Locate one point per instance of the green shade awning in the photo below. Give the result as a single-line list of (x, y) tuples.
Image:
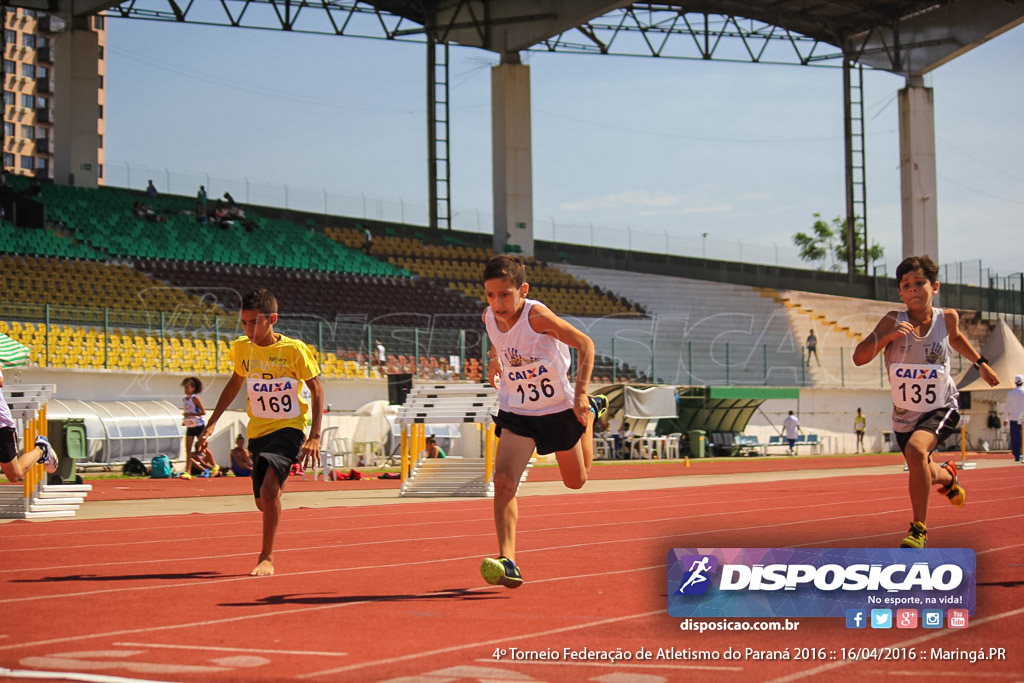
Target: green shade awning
[(763, 393), (713, 409), (12, 353)]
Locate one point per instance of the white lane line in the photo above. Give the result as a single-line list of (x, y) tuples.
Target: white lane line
[(305, 610), (247, 650), (906, 643), (676, 536), (965, 675), (70, 676), (458, 648), (672, 505)]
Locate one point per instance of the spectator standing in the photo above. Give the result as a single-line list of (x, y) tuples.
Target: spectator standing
[(201, 204), (860, 426), (812, 348), (380, 356), (151, 190), (1014, 415), (790, 430), (367, 241)]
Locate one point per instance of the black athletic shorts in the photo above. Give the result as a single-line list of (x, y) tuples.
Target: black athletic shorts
[(8, 444), (280, 450), (550, 433), (194, 431), (941, 423)]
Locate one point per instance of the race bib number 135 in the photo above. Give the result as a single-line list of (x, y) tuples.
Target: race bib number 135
[(918, 387)]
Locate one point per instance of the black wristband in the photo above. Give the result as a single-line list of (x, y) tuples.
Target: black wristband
[(981, 360)]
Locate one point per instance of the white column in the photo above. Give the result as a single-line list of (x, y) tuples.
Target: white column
[(76, 108), (917, 170), (512, 157)]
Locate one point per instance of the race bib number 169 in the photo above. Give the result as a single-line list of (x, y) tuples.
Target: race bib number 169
[(274, 398)]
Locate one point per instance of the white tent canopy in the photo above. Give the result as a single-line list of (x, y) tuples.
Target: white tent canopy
[(1006, 357)]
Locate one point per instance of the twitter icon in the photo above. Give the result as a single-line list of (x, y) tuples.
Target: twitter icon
[(881, 618)]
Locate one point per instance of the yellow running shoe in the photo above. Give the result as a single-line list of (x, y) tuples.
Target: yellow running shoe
[(956, 494), (501, 571), (917, 537), (215, 472)]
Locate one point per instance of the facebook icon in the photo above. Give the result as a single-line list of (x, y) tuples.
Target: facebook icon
[(856, 618)]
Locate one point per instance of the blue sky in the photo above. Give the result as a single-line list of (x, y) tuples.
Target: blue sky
[(625, 150)]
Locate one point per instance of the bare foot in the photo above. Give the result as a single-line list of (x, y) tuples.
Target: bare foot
[(264, 568)]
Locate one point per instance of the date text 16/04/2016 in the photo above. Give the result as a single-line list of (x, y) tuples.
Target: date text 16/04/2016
[(749, 653)]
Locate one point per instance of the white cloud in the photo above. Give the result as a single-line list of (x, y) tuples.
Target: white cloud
[(628, 199), (720, 208), (757, 195)]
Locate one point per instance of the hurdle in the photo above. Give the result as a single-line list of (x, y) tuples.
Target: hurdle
[(34, 498), (964, 463), (447, 404)]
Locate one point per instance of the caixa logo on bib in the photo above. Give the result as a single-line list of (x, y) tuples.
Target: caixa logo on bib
[(816, 582)]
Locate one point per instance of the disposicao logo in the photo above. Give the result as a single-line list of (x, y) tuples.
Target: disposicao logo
[(818, 582), (696, 581)]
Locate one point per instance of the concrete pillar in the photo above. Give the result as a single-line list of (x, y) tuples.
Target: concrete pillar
[(512, 156), (917, 170), (76, 107)]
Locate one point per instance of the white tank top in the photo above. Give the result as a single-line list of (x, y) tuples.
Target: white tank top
[(534, 367), (188, 405), (919, 376)]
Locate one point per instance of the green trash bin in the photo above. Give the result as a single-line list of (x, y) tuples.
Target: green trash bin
[(69, 442), (698, 439)]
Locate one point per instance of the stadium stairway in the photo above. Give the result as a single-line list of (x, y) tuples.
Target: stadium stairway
[(702, 332)]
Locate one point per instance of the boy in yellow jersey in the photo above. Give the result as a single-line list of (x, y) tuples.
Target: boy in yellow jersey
[(539, 408), (917, 344), (272, 368)]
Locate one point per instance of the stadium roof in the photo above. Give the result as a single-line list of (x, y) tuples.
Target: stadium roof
[(910, 37)]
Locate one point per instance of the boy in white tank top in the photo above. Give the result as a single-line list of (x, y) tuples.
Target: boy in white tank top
[(538, 407), (917, 345)]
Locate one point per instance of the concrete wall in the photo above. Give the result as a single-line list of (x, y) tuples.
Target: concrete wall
[(830, 412)]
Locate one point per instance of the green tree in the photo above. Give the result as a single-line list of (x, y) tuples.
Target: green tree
[(828, 241)]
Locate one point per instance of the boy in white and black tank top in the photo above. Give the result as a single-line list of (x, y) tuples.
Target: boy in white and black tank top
[(539, 408), (917, 343)]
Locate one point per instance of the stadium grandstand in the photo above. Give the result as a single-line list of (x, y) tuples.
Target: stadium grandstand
[(106, 284)]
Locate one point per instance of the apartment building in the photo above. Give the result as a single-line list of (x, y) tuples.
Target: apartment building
[(28, 91)]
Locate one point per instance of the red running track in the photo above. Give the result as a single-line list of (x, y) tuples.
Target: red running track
[(390, 593)]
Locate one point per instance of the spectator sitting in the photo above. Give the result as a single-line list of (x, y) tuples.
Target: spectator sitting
[(433, 450), (230, 200), (241, 459)]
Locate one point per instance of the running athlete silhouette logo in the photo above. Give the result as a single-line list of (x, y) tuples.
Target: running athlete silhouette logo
[(697, 581)]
